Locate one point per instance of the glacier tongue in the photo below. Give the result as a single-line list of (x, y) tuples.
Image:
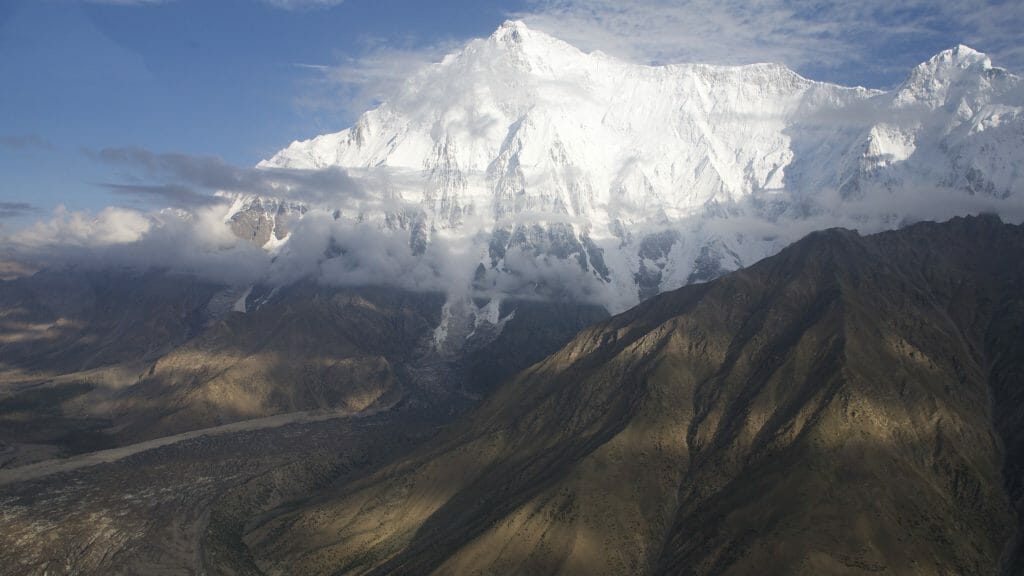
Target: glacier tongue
[(542, 171)]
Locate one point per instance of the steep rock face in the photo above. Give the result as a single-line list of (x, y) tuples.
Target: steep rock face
[(519, 143), (262, 220), (827, 410)]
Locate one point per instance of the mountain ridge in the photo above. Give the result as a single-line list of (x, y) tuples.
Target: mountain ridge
[(645, 178), (827, 410)]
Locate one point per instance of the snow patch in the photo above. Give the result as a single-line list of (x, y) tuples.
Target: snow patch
[(240, 303)]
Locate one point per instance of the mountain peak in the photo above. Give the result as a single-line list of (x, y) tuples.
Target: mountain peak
[(952, 61), (930, 81), (514, 36), (960, 56), (514, 33), (512, 25)]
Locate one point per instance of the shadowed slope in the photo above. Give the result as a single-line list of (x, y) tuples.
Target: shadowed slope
[(825, 411), (55, 323), (92, 360), (310, 348), (177, 355)]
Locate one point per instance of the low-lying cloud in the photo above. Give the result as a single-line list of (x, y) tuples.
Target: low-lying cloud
[(360, 248), (115, 238)]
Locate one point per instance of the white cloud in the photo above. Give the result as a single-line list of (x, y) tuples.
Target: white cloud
[(188, 242), (108, 227)]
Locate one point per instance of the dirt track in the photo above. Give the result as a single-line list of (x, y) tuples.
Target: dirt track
[(48, 467)]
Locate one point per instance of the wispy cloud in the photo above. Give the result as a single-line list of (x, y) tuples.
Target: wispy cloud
[(318, 67), (175, 195), (867, 39), (17, 209), (187, 181), (26, 142), (126, 2), (303, 4), (355, 84), (282, 4)]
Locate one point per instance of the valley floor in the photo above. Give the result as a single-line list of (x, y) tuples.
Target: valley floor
[(170, 505), (57, 465)]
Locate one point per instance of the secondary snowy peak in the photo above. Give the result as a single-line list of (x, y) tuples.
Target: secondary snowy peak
[(949, 73), (951, 62), (954, 124), (540, 165)]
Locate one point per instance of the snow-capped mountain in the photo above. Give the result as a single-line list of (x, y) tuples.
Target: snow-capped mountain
[(539, 168)]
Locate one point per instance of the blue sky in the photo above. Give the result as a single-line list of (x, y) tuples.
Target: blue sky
[(240, 79)]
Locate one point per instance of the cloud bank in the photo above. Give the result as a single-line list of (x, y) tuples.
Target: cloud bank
[(351, 234), (342, 240)]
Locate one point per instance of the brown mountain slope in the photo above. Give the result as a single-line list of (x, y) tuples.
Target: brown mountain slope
[(315, 347), (846, 407), (54, 323), (309, 348), (70, 342), (90, 360)]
